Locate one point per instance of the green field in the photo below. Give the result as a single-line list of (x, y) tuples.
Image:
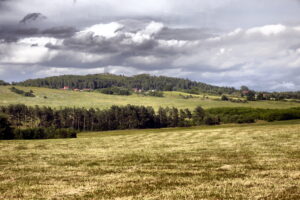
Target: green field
[(260, 161), (59, 98)]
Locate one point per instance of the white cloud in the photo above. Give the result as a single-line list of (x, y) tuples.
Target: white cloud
[(268, 30), (28, 50), (152, 28), (105, 30)]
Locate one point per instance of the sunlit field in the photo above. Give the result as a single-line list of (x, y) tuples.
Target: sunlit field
[(259, 161), (60, 98)]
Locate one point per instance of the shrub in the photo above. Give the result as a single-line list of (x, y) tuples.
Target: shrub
[(224, 98), (210, 120), (155, 93), (116, 91)]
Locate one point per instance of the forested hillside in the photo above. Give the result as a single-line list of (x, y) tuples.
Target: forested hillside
[(143, 81)]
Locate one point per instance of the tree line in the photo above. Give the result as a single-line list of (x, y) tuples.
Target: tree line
[(143, 81), (114, 118), (29, 121)]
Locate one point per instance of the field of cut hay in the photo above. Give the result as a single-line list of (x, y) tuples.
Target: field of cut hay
[(260, 161)]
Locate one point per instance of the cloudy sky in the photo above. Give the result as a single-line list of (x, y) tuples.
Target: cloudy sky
[(221, 42)]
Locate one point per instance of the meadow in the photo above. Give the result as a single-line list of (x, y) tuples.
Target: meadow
[(60, 98), (258, 161)]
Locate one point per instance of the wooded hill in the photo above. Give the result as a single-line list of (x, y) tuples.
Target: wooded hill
[(143, 81)]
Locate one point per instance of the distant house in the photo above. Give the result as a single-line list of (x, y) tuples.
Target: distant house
[(137, 90), (66, 88), (245, 92)]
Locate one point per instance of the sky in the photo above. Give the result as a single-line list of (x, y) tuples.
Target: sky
[(221, 42)]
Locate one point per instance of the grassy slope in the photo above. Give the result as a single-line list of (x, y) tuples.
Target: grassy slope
[(59, 98), (260, 161)]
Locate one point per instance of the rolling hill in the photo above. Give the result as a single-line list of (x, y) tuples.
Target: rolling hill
[(60, 98)]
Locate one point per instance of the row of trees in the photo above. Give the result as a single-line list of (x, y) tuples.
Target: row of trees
[(116, 117), (60, 123), (22, 92)]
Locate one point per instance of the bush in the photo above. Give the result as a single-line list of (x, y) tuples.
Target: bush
[(224, 98), (155, 94), (116, 91), (209, 120)]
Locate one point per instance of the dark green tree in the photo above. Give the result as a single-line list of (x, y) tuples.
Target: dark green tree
[(250, 96), (198, 115), (6, 131)]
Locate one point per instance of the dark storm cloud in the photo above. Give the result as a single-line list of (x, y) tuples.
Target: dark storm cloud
[(59, 32), (31, 17), (16, 32)]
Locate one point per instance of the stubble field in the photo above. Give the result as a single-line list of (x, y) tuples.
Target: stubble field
[(260, 161)]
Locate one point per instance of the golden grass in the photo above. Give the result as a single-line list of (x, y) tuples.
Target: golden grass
[(60, 98), (260, 161)]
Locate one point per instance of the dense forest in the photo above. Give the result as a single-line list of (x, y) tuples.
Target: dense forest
[(143, 81)]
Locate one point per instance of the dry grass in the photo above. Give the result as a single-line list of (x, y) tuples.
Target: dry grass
[(227, 162)]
